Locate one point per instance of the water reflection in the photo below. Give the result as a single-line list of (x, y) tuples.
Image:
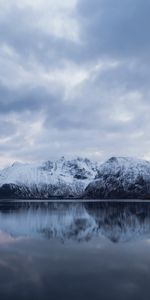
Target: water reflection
[(74, 251), (118, 222)]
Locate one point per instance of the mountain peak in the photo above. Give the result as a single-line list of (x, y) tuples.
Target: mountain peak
[(59, 178), (16, 163)]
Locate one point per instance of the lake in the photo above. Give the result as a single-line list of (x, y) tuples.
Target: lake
[(62, 250)]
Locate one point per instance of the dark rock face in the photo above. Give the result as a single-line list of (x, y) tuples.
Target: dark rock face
[(116, 190), (121, 178), (12, 191)]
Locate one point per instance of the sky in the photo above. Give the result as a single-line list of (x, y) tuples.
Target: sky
[(74, 79)]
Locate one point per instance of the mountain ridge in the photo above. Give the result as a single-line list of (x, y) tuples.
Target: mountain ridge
[(59, 178), (121, 178), (117, 178)]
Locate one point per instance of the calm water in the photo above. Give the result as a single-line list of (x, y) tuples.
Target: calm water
[(74, 251)]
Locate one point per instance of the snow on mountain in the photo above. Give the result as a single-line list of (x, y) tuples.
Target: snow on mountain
[(121, 177), (60, 178), (117, 178)]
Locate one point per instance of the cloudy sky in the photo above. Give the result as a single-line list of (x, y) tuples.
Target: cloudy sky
[(74, 79)]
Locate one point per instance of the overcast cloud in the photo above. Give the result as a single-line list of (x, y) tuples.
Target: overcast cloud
[(74, 79)]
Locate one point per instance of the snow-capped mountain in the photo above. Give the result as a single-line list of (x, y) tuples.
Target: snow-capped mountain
[(121, 177), (117, 178), (60, 178)]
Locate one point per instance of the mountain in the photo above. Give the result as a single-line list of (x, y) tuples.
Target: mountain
[(117, 178), (61, 178), (121, 177)]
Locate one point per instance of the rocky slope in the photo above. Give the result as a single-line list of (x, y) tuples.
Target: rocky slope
[(121, 177), (61, 178)]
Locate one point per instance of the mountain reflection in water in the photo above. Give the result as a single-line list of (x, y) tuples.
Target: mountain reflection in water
[(77, 251), (118, 222)]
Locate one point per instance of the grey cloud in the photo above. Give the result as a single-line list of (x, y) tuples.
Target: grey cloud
[(6, 129), (116, 28), (106, 113), (16, 31), (25, 99)]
